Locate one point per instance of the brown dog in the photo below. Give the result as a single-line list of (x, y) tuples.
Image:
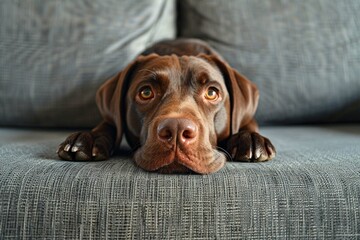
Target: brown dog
[(177, 104)]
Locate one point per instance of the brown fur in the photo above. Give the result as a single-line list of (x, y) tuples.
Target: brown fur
[(179, 73)]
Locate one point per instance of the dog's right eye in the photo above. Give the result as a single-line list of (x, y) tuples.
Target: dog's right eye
[(146, 93)]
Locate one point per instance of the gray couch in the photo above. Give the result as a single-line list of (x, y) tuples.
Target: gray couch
[(303, 55)]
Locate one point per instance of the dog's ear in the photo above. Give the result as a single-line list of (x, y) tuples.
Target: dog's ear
[(111, 95), (244, 95)]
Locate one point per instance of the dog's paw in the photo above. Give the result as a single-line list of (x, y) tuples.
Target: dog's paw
[(248, 146), (84, 146)]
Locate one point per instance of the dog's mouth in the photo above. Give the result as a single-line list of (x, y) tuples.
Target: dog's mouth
[(179, 161), (174, 167)]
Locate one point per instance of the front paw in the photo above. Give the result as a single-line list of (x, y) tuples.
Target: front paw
[(248, 146), (84, 146)]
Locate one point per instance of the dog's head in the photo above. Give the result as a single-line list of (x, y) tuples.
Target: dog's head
[(175, 109)]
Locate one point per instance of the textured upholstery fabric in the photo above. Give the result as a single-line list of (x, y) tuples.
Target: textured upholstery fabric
[(55, 54), (303, 55), (310, 191)]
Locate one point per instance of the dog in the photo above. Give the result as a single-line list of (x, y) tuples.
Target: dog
[(182, 109)]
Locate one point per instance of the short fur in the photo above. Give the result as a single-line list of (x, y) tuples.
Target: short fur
[(178, 129)]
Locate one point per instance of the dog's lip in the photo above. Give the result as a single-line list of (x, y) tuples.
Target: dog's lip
[(174, 167), (177, 157), (215, 165)]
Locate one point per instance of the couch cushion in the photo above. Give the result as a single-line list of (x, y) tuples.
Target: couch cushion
[(310, 190), (303, 55), (55, 54)]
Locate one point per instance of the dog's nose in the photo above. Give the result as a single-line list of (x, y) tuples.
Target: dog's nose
[(182, 130)]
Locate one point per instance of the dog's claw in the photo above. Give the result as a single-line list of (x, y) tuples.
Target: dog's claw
[(67, 147), (257, 153), (74, 149)]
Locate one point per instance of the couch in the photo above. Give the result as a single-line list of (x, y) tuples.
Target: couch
[(304, 57)]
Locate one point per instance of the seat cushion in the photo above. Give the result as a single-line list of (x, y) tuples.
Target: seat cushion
[(55, 55), (310, 190)]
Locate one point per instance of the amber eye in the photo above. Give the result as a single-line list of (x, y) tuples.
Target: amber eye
[(146, 93), (212, 94)]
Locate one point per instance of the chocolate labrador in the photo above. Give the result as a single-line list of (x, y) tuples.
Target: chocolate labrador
[(182, 109)]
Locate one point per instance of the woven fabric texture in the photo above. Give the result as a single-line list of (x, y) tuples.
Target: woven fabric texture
[(55, 54), (303, 55), (310, 191)]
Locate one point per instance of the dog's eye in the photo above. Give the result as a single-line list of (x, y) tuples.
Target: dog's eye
[(146, 93), (212, 94)]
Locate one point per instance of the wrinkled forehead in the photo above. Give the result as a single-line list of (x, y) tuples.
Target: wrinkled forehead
[(202, 71), (184, 70)]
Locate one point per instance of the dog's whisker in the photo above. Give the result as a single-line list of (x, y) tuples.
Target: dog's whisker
[(227, 154)]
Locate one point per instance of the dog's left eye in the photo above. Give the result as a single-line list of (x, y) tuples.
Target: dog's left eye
[(212, 94), (146, 93)]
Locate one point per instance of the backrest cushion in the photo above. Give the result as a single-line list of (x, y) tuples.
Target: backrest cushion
[(55, 54), (303, 55)]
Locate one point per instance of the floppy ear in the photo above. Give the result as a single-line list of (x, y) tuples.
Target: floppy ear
[(111, 96), (244, 95)]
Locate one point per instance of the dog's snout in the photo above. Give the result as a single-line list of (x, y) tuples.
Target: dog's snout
[(181, 130)]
